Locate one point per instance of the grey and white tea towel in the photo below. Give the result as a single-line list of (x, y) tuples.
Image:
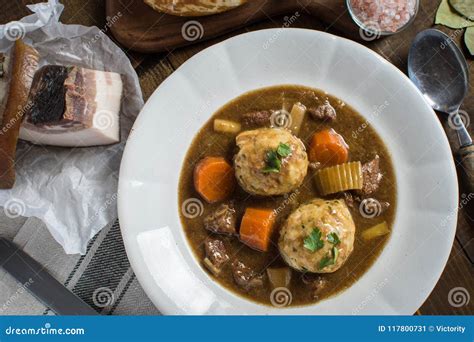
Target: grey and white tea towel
[(102, 277)]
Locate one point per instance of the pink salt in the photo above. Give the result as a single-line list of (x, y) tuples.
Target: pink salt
[(383, 15)]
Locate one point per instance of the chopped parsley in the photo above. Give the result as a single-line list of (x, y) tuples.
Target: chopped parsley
[(273, 163), (333, 238), (273, 158), (313, 242), (329, 259), (326, 261), (283, 150)]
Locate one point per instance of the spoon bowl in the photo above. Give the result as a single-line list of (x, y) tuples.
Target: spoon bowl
[(439, 70)]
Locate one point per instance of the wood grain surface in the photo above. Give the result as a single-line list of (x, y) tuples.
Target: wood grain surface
[(154, 68), (466, 159), (156, 32)]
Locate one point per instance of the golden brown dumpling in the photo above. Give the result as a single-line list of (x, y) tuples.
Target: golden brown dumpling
[(251, 161), (326, 222)]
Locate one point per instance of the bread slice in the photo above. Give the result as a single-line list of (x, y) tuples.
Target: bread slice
[(193, 8)]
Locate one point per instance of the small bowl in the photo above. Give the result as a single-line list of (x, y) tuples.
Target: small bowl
[(370, 33)]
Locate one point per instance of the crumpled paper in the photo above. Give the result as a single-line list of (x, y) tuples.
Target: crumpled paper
[(73, 190)]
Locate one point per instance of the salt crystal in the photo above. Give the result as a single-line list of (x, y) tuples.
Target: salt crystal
[(385, 15)]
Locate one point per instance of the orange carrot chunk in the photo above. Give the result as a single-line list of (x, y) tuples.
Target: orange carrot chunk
[(214, 179), (256, 228), (328, 148)]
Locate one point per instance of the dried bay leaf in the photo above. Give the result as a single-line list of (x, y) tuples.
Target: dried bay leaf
[(469, 40), (464, 7), (448, 17)]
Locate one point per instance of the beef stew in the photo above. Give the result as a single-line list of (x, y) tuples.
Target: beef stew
[(310, 204)]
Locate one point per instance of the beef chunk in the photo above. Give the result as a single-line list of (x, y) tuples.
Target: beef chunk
[(258, 118), (349, 199), (352, 201), (245, 277), (216, 251), (323, 112), (372, 176), (315, 283), (216, 255), (318, 285), (222, 220)]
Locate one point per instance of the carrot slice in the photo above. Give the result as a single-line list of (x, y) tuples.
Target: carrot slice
[(256, 228), (328, 148), (214, 179)]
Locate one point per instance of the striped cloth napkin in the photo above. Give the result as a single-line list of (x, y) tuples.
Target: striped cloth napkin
[(102, 277)]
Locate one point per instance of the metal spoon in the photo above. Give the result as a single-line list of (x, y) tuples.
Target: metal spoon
[(439, 70)]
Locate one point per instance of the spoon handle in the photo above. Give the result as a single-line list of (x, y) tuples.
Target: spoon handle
[(466, 150), (457, 121), (463, 136), (466, 157)]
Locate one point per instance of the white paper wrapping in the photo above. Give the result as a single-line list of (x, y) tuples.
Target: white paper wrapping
[(73, 190)]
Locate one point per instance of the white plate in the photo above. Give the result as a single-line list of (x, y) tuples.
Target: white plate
[(411, 263)]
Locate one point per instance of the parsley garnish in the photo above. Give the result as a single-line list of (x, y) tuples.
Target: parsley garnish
[(326, 261), (273, 162), (273, 158), (334, 239), (283, 150), (313, 242), (329, 260)]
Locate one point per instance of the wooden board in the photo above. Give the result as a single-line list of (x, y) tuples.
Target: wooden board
[(140, 28)]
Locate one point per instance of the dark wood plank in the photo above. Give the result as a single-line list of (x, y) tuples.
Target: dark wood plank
[(12, 10), (457, 277), (152, 71)]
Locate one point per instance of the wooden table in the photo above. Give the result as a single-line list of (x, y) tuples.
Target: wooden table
[(154, 68)]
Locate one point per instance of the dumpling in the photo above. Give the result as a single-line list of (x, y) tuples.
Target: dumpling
[(252, 160), (318, 237)]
